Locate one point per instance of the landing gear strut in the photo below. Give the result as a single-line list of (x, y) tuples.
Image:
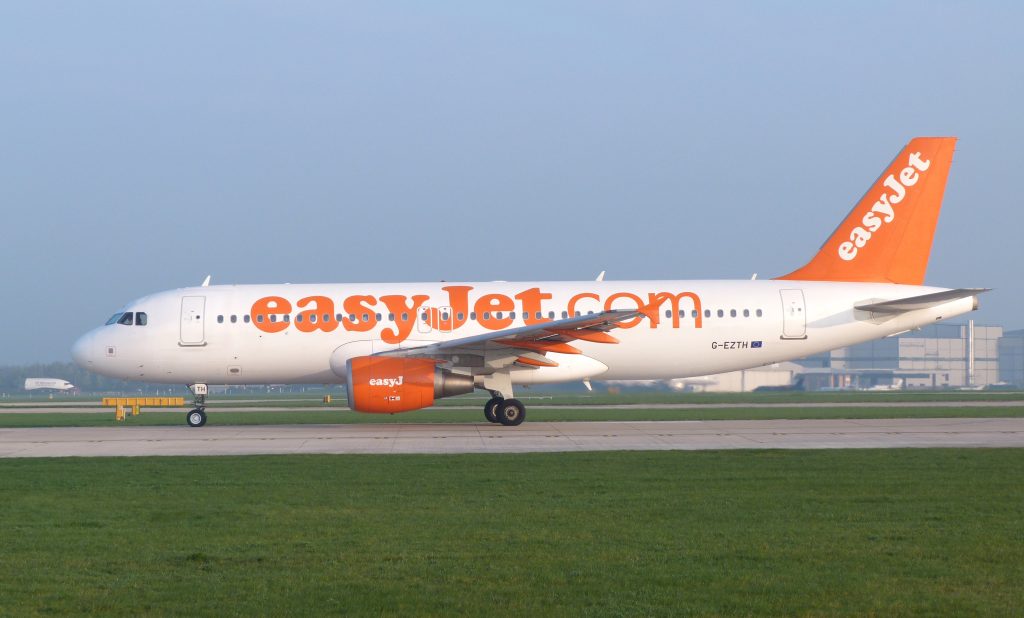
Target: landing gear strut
[(197, 417)]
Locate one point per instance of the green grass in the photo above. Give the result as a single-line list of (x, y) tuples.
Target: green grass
[(442, 415), (890, 532), (298, 400)]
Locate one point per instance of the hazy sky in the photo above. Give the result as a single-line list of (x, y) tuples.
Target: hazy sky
[(144, 145)]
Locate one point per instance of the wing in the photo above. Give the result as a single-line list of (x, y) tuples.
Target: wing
[(526, 346)]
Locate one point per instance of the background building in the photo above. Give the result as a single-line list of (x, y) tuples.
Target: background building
[(1011, 358), (936, 356)]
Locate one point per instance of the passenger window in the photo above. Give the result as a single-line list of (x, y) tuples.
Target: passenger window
[(245, 318), (512, 315), (220, 319), (721, 313), (460, 316), (141, 319), (693, 314), (298, 318), (732, 313), (405, 316), (378, 316), (391, 317), (351, 317), (551, 315), (758, 313), (234, 318), (444, 316), (487, 315), (339, 317), (327, 317), (287, 317), (707, 313), (499, 314), (366, 317), (668, 313), (273, 317), (565, 315), (259, 318), (746, 313), (126, 319)]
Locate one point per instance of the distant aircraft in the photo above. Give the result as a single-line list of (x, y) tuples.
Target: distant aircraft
[(32, 384), (401, 346), (676, 384)]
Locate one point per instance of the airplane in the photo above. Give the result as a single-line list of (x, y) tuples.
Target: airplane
[(401, 346), (32, 384)]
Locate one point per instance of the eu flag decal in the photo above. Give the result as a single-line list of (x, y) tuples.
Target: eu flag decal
[(755, 344)]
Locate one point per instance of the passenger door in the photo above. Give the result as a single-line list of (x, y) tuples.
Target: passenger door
[(794, 315), (193, 331)]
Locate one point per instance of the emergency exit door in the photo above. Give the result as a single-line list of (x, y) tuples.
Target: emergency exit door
[(192, 320), (794, 314)]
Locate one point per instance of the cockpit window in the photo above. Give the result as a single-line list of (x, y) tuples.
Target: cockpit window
[(127, 319), (114, 318), (141, 319)]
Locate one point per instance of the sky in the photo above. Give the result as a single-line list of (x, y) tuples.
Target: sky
[(145, 145)]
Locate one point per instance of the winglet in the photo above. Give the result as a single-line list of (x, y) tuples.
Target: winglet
[(887, 237)]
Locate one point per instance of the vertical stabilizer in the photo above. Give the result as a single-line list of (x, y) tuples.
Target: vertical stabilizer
[(887, 237)]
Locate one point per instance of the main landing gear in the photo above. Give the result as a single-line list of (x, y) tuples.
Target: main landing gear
[(197, 416), (508, 412)]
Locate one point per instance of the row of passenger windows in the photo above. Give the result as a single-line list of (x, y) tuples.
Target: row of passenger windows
[(130, 318), (445, 316)]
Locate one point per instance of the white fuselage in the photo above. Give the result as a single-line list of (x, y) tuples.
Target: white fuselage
[(220, 334)]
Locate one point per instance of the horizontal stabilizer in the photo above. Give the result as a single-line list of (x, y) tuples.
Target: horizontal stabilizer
[(913, 303)]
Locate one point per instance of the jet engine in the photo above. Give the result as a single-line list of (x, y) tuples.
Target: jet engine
[(387, 385)]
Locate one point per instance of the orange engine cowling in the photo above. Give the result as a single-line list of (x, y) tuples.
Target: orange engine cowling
[(386, 385)]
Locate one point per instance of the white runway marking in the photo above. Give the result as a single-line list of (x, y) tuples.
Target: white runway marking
[(527, 438)]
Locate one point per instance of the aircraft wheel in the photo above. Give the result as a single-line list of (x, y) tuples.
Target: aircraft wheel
[(491, 409), (196, 418), (511, 412)]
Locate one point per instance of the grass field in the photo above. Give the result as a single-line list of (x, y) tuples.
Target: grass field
[(594, 398), (306, 416), (760, 532), (306, 409)]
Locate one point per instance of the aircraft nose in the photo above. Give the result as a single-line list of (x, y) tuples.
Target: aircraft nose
[(82, 352)]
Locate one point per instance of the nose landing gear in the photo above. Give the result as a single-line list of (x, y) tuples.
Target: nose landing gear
[(197, 416)]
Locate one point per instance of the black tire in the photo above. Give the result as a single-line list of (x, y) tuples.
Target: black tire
[(196, 418), (511, 412), (491, 409)]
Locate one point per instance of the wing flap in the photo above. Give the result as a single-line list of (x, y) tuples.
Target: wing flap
[(532, 341)]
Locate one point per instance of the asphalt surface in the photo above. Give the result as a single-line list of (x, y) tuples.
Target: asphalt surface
[(529, 437)]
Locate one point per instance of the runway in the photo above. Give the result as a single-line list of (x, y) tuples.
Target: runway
[(535, 437)]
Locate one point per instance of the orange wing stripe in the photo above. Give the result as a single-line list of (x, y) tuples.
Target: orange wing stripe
[(536, 362), (585, 334), (540, 346)]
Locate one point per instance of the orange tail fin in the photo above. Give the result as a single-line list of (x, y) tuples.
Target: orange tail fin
[(887, 237)]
